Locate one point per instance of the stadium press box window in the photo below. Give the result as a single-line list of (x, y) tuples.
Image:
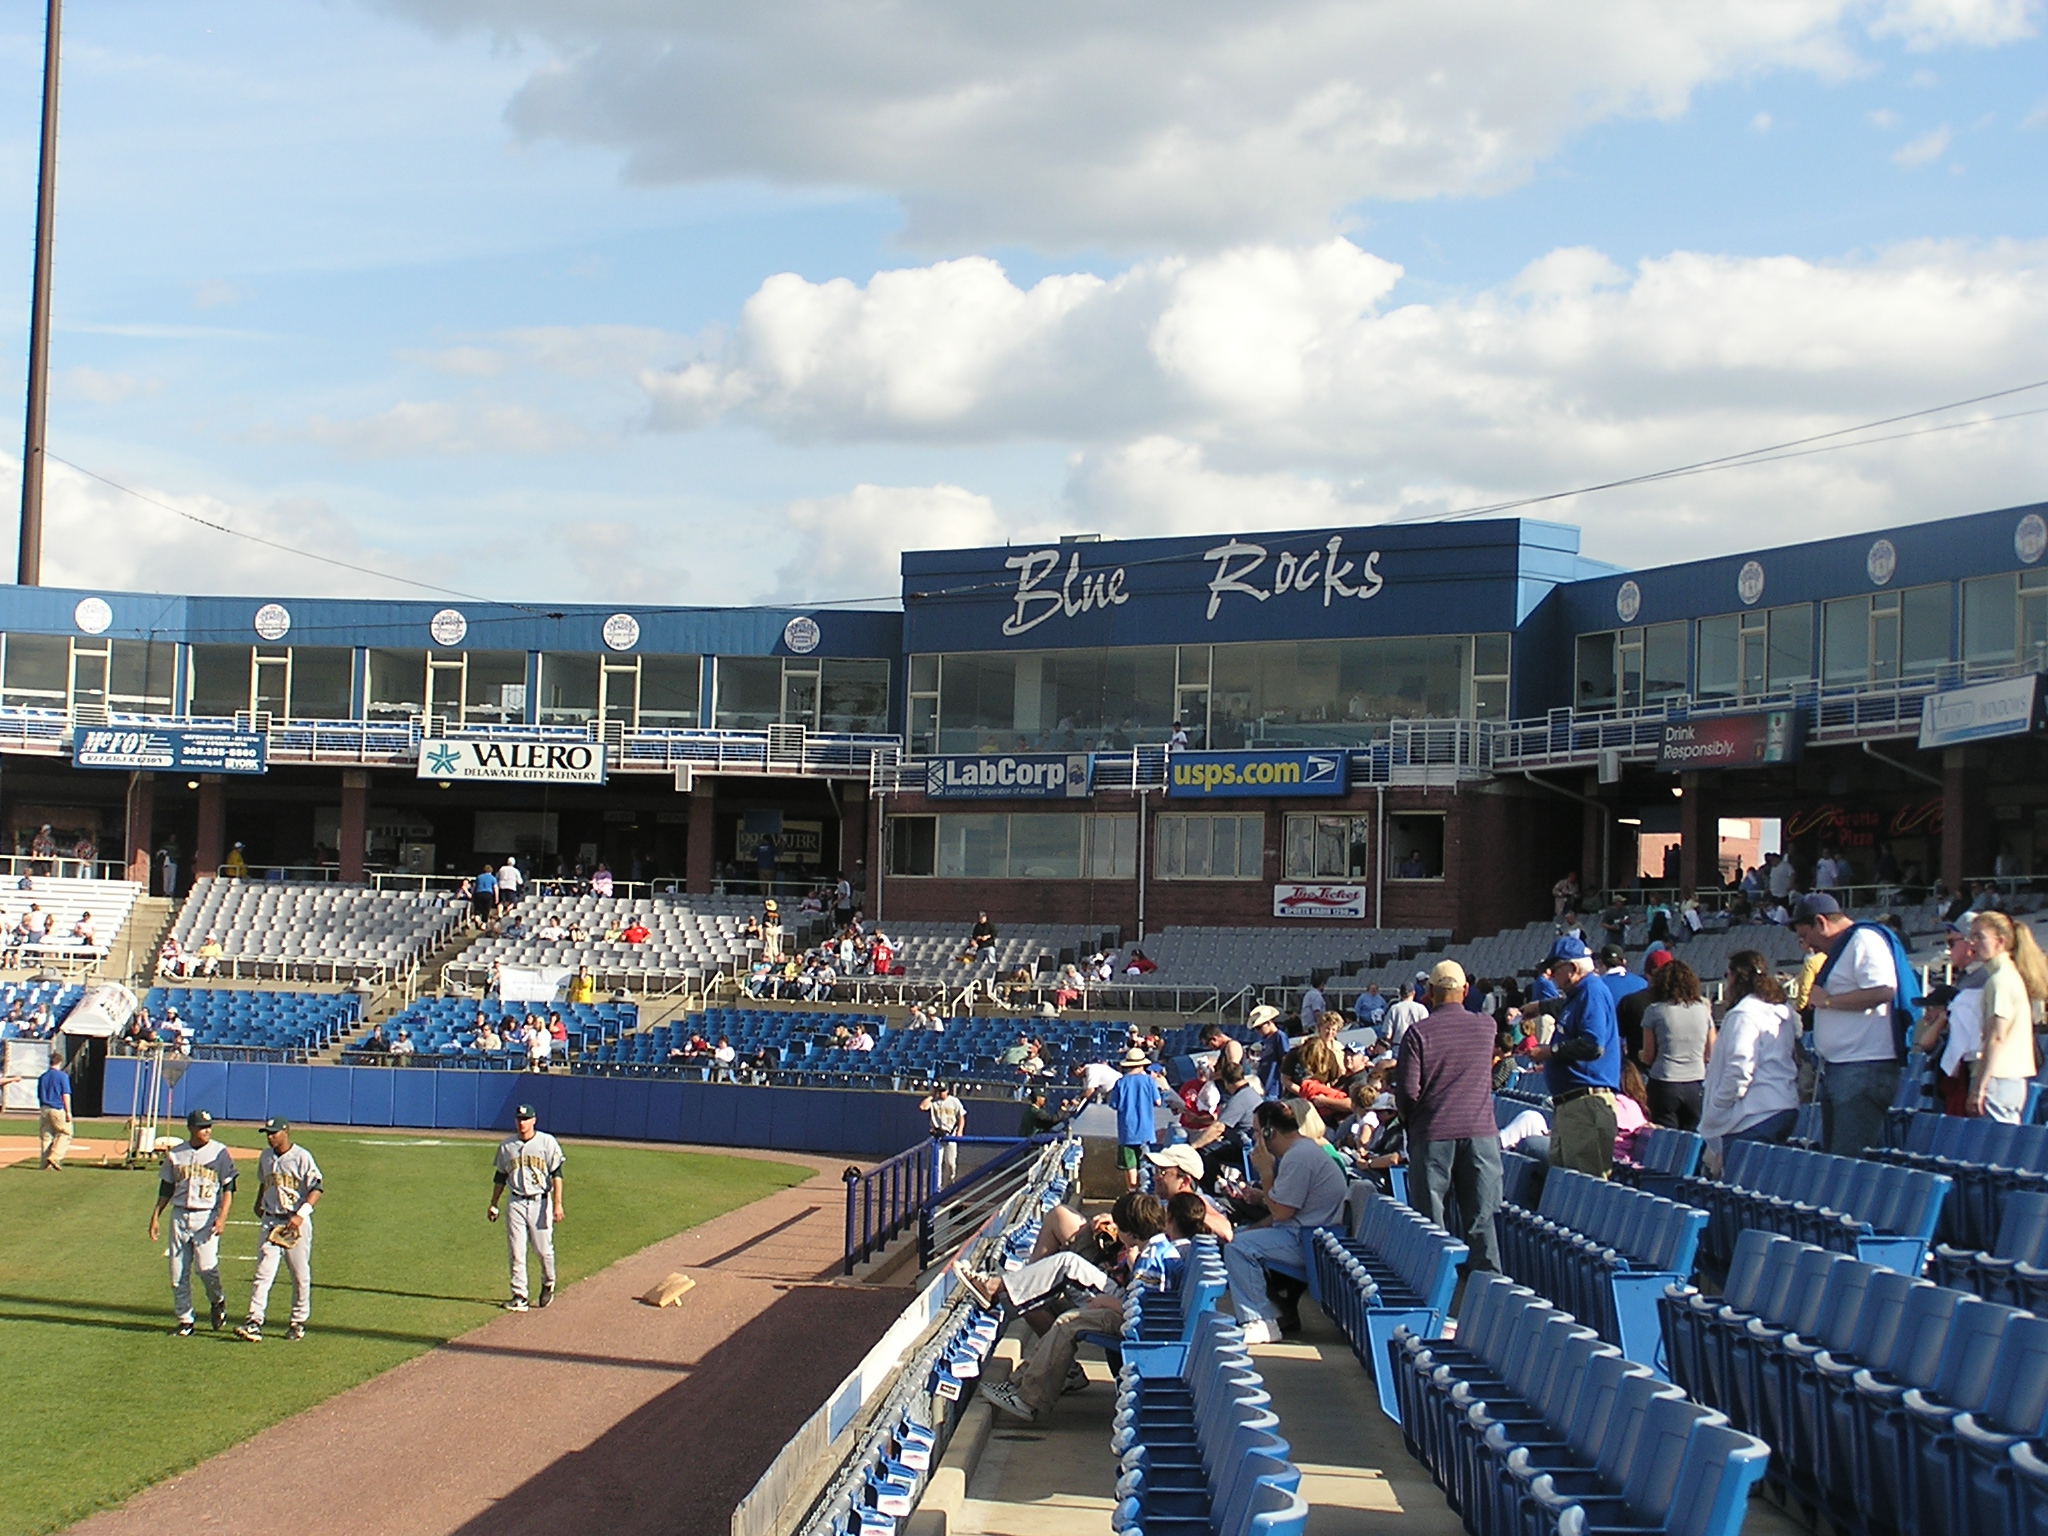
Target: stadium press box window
[(1415, 845), (1746, 655), (133, 676), (1327, 848), (288, 682), (1627, 668), (1041, 846), (1886, 636), (2005, 620), (1197, 847)]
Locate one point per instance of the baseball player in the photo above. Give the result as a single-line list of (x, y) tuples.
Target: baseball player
[(289, 1188), (529, 1166), (199, 1181)]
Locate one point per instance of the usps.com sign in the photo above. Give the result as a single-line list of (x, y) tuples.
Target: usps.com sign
[(1345, 903), (1008, 776), (1197, 774)]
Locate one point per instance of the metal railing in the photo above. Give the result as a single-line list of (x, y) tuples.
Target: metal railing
[(884, 1201), (890, 1197), (952, 1215)]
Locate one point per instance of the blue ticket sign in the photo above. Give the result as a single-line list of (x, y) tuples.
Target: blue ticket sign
[(1192, 775), (174, 749)]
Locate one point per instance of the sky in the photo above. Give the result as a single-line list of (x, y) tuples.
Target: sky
[(638, 301)]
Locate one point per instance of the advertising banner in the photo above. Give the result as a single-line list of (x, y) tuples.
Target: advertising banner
[(1008, 776), (1732, 741), (534, 983), (1351, 903), (2010, 707), (178, 749), (516, 762), (1194, 775)]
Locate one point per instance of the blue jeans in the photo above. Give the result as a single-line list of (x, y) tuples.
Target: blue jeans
[(1249, 1255), (1771, 1128), (1468, 1167), (1854, 1097)]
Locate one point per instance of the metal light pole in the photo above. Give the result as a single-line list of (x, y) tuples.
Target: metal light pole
[(30, 571)]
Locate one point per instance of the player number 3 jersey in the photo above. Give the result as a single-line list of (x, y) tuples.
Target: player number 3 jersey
[(286, 1181), (530, 1166), (195, 1176)]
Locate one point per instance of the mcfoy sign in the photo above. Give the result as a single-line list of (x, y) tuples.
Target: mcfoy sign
[(519, 762), (178, 750), (1192, 775), (1007, 776)]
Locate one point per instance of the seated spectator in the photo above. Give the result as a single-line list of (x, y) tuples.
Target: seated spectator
[(539, 1047), (699, 1046), (22, 934), (578, 934), (512, 929), (862, 1040), (635, 932), (487, 1038), (403, 1045), (551, 931), (1069, 988), (85, 932), (557, 1030), (1138, 964), (375, 1040), (206, 959), (601, 881), (759, 979), (722, 1060)]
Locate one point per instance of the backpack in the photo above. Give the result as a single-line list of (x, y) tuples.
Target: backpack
[(1906, 1001)]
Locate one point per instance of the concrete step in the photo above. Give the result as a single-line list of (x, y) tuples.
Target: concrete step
[(132, 956)]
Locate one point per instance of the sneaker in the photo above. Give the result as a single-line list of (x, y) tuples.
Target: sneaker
[(547, 1294), (220, 1316), (182, 1331), (516, 1304), (1004, 1395), (295, 1332), (1077, 1380), (981, 1287), (1261, 1331), (250, 1333)]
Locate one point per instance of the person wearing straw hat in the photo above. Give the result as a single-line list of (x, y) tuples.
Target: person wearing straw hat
[(1272, 1046), (1136, 1101)]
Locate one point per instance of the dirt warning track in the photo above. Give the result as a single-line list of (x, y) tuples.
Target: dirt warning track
[(596, 1415)]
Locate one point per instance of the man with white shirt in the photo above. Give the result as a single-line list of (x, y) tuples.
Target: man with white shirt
[(1313, 1007), (1408, 1011), (509, 881), (1097, 1078), (1853, 1030)]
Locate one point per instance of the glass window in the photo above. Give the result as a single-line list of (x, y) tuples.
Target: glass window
[(38, 671), (974, 847), (1332, 692), (1490, 655), (494, 688), (1326, 847), (1720, 657), (219, 681), (1989, 634), (568, 688), (2033, 623), (1112, 847), (913, 845), (139, 675), (1845, 640), (1791, 642), (398, 685), (1056, 700), (670, 692), (322, 682), (749, 693), (1924, 630), (853, 696), (1227, 847), (1415, 846), (1596, 678), (924, 674), (1046, 847), (1664, 670)]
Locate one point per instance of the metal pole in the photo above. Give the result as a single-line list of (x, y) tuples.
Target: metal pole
[(30, 570)]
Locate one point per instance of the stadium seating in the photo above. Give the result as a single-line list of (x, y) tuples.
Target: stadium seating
[(59, 997), (1529, 1422), (254, 1020), (1603, 1251), (1987, 1159), (2014, 1269), (689, 937), (270, 929), (1891, 1404), (1393, 1269), (1159, 1325), (441, 1028), (1882, 1214), (65, 900)]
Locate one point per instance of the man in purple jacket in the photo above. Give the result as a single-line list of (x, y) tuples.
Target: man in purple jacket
[(1443, 1084)]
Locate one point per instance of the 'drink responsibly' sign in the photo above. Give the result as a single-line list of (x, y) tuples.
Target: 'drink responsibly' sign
[(1350, 903), (513, 762), (2009, 707), (180, 750), (1192, 775), (1008, 776), (1732, 741)]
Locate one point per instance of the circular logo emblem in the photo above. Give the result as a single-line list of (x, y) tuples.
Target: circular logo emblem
[(800, 634), (621, 632), (448, 627), (1749, 586), (1881, 562), (92, 616), (2030, 539), (1628, 602), (273, 621)]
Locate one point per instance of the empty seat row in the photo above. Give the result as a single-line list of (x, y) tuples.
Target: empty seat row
[(2014, 1269), (1881, 1213), (1604, 1252), (1159, 1324), (1986, 1158), (1531, 1423), (1393, 1269), (1662, 1157), (1892, 1405)]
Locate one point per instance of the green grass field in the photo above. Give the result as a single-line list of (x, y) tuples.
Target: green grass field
[(102, 1402)]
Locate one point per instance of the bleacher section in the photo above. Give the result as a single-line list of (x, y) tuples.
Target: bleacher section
[(1393, 1269), (1882, 1214), (441, 1028), (1988, 1161), (2014, 1269), (690, 937), (263, 1023), (269, 929), (1229, 958), (65, 900), (932, 951), (58, 996)]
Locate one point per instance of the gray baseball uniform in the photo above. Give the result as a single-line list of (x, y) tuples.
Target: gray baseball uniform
[(530, 1169), (286, 1182), (194, 1178)]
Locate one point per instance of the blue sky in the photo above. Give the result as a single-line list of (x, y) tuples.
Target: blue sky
[(481, 294)]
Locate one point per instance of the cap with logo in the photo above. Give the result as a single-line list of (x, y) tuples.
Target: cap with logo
[(525, 1112), (197, 1117), (274, 1124)]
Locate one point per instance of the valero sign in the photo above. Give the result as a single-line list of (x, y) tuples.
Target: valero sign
[(1193, 775), (513, 762)]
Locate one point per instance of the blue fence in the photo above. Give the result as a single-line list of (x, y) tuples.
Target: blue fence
[(859, 1122)]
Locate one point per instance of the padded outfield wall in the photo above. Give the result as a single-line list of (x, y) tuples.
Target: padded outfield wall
[(858, 1122)]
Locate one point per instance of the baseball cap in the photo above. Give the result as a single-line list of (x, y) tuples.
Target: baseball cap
[(1940, 997), (1655, 961), (1820, 904), (1567, 947), (1447, 974), (1180, 1156), (1612, 954), (275, 1124), (1956, 930), (1422, 978), (525, 1112), (198, 1117)]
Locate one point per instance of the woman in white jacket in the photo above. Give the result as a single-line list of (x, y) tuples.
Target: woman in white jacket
[(1752, 1090)]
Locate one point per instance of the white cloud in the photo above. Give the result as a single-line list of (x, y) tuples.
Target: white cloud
[(102, 387), (1926, 149), (414, 428), (218, 294), (1193, 125), (848, 546), (2038, 118), (1883, 117), (1761, 123)]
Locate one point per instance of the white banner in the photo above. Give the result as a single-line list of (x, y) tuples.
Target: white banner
[(2006, 708), (1349, 903), (518, 762), (27, 1060), (533, 983)]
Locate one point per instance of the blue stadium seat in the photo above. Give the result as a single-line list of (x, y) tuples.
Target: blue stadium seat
[(1396, 1269)]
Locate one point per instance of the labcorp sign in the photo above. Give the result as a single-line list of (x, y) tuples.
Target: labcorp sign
[(516, 762), (1007, 776)]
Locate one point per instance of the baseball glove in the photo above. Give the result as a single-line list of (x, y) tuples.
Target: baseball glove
[(282, 1236)]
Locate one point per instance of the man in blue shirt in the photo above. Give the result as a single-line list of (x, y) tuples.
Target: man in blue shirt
[(1615, 975), (1581, 1063), (53, 1099), (1136, 1101)]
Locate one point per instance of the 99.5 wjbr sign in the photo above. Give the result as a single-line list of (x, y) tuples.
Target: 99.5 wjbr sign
[(1193, 775), (1008, 776), (513, 762)]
